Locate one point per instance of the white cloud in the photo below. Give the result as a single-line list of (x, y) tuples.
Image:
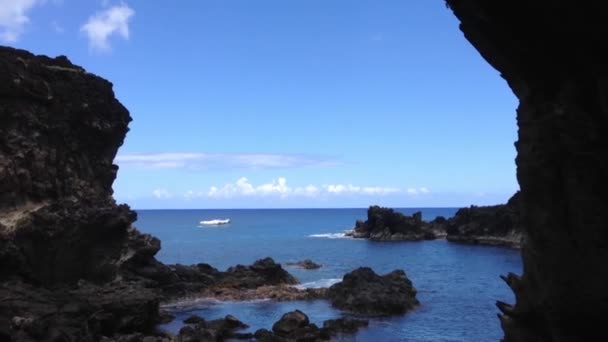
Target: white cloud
[(309, 191), (243, 187), (338, 189), (279, 187), (177, 160), (161, 193), (418, 191), (14, 18), (112, 21)]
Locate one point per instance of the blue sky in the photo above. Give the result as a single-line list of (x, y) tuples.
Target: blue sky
[(300, 103)]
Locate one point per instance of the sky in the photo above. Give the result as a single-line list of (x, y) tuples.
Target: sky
[(288, 103)]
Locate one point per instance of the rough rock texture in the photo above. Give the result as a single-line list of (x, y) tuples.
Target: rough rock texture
[(363, 291), (211, 331), (553, 56), (295, 326), (385, 224), (63, 239), (488, 225), (73, 267)]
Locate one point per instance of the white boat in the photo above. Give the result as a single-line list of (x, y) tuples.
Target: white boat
[(215, 222)]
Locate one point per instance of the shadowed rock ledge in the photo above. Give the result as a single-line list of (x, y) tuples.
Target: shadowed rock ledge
[(553, 56)]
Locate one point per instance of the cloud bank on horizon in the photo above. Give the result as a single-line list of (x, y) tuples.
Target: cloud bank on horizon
[(278, 188)]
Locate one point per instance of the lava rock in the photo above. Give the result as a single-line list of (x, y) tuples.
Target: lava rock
[(363, 291)]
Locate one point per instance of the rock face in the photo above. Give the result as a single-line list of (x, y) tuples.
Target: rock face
[(553, 56), (73, 267), (362, 291), (490, 225), (385, 224), (60, 128)]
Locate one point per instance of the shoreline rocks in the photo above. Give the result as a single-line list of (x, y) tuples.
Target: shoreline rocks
[(295, 326), (497, 225), (362, 291)]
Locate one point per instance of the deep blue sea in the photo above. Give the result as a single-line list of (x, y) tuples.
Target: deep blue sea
[(457, 284)]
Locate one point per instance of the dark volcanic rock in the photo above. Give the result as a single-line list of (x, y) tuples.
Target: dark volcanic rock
[(363, 291), (295, 326), (290, 322), (344, 325), (60, 229), (262, 272), (215, 330), (73, 266), (553, 56), (385, 224), (489, 225), (306, 264)]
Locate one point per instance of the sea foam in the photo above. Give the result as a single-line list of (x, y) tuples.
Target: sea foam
[(318, 283)]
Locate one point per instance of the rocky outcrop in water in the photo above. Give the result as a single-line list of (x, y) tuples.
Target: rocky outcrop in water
[(552, 55), (362, 291), (497, 225), (385, 224)]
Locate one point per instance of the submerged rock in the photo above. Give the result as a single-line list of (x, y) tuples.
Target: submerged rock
[(363, 291), (306, 264)]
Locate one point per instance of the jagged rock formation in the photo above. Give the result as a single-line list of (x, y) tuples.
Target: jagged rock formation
[(73, 267), (386, 224), (553, 56), (362, 291), (488, 225), (497, 225)]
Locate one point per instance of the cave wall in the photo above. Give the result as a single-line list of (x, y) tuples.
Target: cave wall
[(553, 56)]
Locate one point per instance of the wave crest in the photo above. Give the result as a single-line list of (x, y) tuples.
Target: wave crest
[(321, 283)]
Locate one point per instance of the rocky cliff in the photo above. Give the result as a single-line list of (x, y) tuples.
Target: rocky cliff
[(553, 56), (73, 266)]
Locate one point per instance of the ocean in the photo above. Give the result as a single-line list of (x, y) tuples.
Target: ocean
[(457, 284)]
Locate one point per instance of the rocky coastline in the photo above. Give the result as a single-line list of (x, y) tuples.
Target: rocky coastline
[(497, 225), (74, 268)]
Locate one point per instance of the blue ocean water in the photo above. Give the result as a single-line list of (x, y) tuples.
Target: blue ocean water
[(457, 284)]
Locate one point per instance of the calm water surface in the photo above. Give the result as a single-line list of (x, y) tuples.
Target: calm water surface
[(457, 284)]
